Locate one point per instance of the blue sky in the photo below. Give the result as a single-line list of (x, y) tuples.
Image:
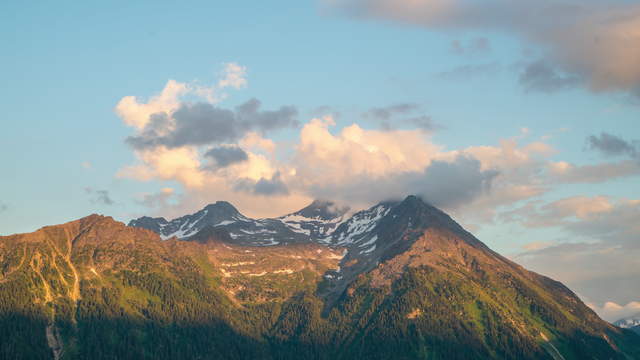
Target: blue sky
[(66, 66)]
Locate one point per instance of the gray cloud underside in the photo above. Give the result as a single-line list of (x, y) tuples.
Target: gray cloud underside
[(264, 187), (226, 155), (203, 123)]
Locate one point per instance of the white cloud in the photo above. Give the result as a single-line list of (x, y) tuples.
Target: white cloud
[(137, 114), (234, 76), (322, 157)]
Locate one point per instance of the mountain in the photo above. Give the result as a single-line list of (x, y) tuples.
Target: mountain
[(631, 323), (314, 222), (401, 280)]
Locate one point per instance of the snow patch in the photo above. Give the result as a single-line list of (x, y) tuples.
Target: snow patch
[(369, 250), (362, 223)]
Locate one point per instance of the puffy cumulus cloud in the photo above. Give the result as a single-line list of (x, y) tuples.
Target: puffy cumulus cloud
[(612, 145), (203, 124), (518, 177), (601, 260), (365, 166), (444, 183), (451, 184), (137, 113), (322, 157), (594, 41), (612, 311), (201, 145), (356, 165), (180, 164), (256, 142), (360, 167)]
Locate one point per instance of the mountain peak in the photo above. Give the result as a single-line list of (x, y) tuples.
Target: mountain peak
[(222, 206), (425, 215), (322, 210)]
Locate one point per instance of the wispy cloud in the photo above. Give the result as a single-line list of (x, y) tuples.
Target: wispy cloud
[(101, 197), (392, 116), (612, 145), (600, 253), (157, 200), (464, 72), (540, 76), (475, 46), (581, 42)]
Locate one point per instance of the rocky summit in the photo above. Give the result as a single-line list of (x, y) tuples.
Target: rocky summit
[(400, 280)]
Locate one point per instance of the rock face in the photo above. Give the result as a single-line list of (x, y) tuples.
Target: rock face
[(400, 280)]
